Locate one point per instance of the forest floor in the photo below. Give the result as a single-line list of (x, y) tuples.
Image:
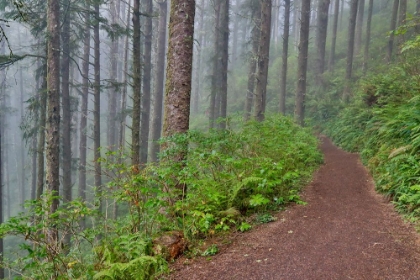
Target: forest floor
[(346, 231)]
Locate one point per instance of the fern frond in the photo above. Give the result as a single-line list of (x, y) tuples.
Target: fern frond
[(399, 151)]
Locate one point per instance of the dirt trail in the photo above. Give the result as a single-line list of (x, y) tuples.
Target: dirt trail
[(346, 231)]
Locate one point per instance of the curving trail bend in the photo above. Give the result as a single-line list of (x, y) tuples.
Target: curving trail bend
[(346, 231)]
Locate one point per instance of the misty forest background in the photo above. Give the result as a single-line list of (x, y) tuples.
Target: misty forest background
[(266, 74)]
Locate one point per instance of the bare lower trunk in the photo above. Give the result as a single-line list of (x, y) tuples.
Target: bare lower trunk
[(159, 82), (302, 62), (359, 26), (135, 129), (285, 54), (97, 110), (367, 42), (147, 77), (392, 30), (84, 108), (179, 70), (334, 35), (65, 84), (41, 141), (253, 58), (112, 93), (224, 59), (214, 104), (263, 60), (321, 38), (350, 49), (53, 112)]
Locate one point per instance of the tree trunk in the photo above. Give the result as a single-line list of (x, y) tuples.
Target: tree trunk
[(302, 62), (65, 84), (234, 35), (97, 109), (417, 27), (112, 93), (215, 86), (53, 118), (255, 40), (1, 165), (224, 59), (334, 35), (197, 72), (41, 141), (392, 30), (84, 107), (321, 38), (285, 54), (179, 70), (350, 46), (145, 112), (401, 19), (135, 130), (359, 26), (263, 60), (159, 82), (367, 43), (124, 93), (296, 4)]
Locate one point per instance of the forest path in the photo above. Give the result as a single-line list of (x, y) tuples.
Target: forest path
[(346, 231)]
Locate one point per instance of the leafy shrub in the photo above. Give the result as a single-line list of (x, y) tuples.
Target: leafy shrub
[(252, 168)]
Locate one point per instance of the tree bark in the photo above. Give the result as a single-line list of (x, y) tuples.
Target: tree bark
[(350, 45), (214, 104), (224, 60), (197, 72), (159, 82), (1, 165), (41, 141), (402, 16), (367, 42), (135, 129), (179, 70), (65, 87), (263, 60), (359, 25), (334, 35), (112, 93), (147, 77), (302, 62), (84, 106), (392, 30), (321, 38), (97, 108), (53, 113), (285, 55), (124, 92), (255, 40)]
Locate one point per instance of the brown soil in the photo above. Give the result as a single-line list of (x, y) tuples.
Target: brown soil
[(346, 231)]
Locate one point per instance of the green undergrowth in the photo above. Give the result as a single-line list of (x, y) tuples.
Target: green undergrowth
[(228, 176), (383, 124)]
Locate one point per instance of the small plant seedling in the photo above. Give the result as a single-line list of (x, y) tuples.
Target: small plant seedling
[(211, 251)]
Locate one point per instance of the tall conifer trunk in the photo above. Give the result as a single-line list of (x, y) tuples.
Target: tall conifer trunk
[(285, 54), (367, 41), (135, 129), (263, 60), (302, 62), (159, 81), (84, 106), (147, 77), (97, 107), (53, 112), (255, 39), (65, 83)]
